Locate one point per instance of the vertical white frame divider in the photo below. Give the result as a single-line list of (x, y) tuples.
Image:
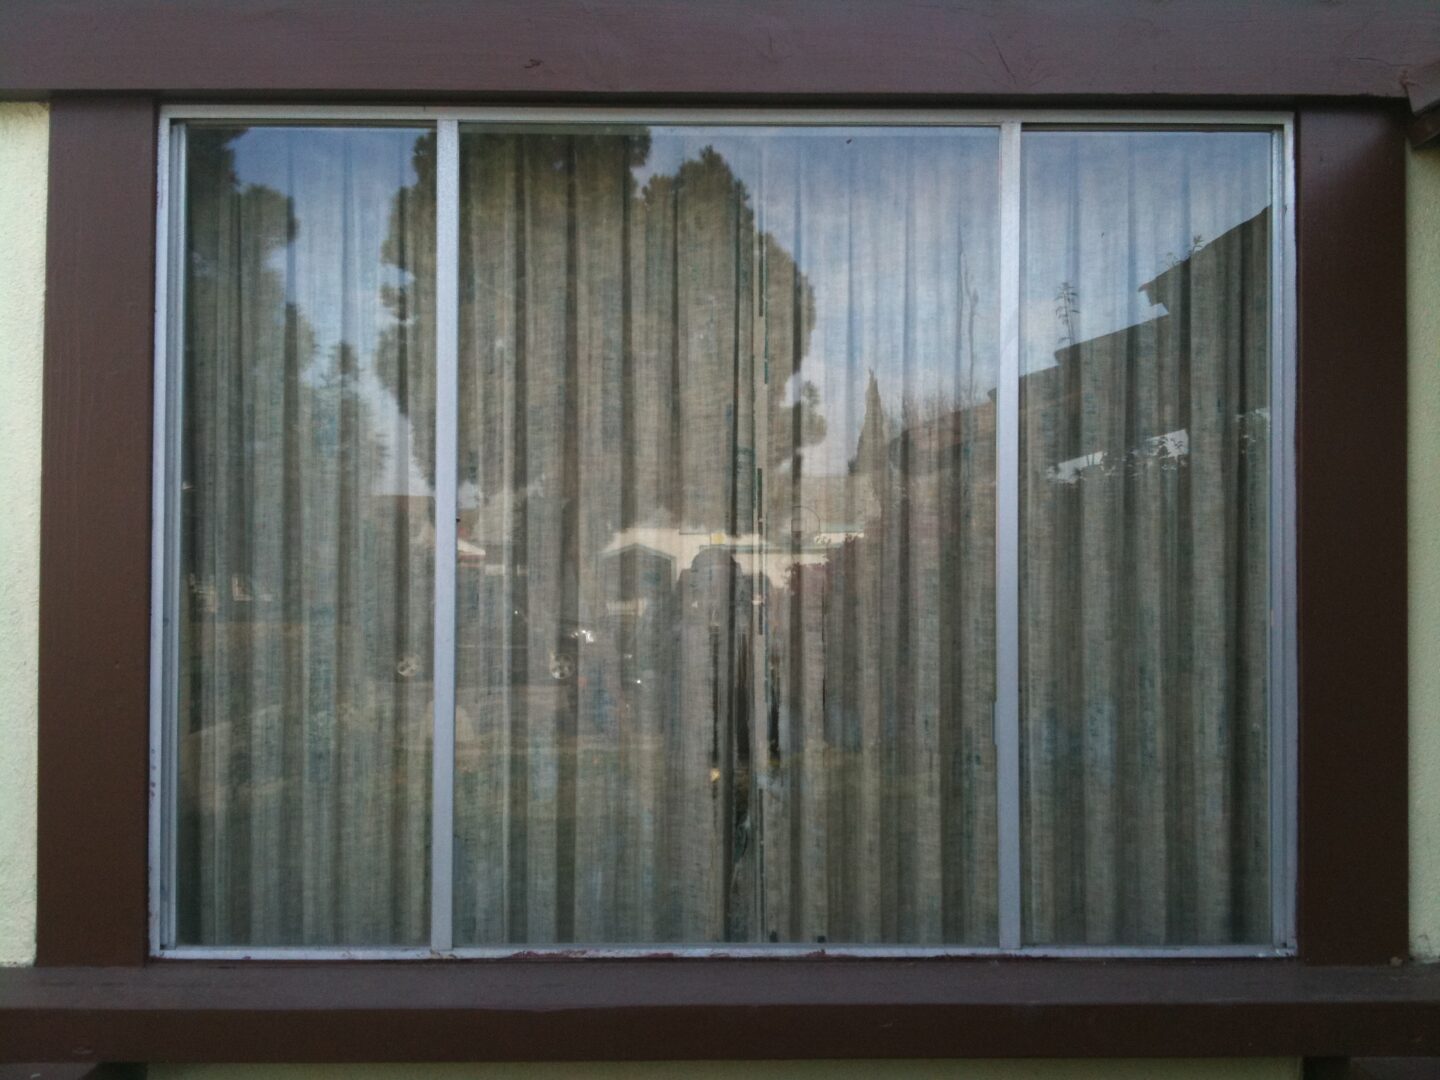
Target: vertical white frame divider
[(165, 530), (1283, 704), (447, 393), (1007, 546)]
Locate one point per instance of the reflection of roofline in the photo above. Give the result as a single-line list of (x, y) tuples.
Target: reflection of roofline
[(1160, 282), (1097, 343)]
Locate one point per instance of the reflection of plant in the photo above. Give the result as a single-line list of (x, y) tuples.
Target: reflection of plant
[(1172, 260), (1067, 312), (971, 293)]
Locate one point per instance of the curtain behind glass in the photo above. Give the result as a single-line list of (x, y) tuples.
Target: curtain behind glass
[(1144, 537), (307, 536), (726, 547)]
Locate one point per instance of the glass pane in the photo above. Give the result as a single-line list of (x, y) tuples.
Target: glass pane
[(726, 591), (307, 536), (1145, 486)]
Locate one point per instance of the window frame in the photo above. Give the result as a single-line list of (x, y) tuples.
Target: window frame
[(93, 812), (1009, 125), (96, 995)]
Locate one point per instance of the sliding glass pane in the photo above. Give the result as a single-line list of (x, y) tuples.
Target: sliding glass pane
[(307, 536), (1145, 488), (726, 552)]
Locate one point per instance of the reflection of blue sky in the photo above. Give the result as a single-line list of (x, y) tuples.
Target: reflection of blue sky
[(1107, 212), (892, 227), (342, 181)]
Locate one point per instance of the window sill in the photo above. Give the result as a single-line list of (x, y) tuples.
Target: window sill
[(720, 1009)]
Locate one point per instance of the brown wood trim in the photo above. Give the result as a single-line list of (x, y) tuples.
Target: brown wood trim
[(1425, 129), (883, 48), (1422, 86), (71, 1071), (1373, 1068), (95, 533), (1351, 536), (678, 1009)]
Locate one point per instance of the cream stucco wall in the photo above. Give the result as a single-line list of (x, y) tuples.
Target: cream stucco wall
[(23, 135), (24, 131)]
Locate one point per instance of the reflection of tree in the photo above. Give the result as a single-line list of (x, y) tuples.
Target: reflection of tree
[(405, 357), (718, 203), (233, 230), (243, 325), (708, 183)]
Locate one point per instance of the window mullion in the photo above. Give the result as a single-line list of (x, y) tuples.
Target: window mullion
[(165, 593), (1007, 546), (442, 822)]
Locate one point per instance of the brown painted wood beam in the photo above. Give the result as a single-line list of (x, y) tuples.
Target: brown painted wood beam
[(680, 1009), (1352, 536), (1373, 1068), (94, 534), (1425, 130), (1422, 86), (71, 1071), (881, 50), (1395, 1068)]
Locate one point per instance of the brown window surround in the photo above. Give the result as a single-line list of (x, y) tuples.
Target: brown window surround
[(96, 996)]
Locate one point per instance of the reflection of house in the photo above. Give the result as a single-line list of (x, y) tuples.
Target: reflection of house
[(1154, 394)]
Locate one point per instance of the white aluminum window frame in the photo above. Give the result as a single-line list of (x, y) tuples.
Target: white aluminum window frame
[(1010, 123)]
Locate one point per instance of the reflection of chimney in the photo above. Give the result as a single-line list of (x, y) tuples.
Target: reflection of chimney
[(871, 451)]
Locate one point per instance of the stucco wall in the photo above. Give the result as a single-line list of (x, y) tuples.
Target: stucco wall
[(24, 131), (23, 135)]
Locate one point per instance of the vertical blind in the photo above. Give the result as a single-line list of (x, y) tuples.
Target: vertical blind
[(725, 646)]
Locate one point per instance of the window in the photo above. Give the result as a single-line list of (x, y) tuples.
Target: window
[(605, 530)]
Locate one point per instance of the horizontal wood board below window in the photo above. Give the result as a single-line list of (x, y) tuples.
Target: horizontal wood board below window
[(636, 1010)]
